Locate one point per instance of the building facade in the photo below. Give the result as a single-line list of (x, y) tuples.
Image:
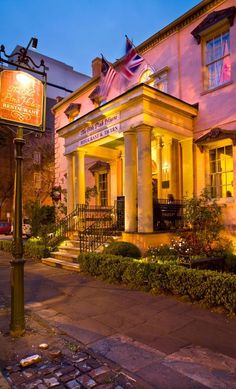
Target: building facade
[(167, 133)]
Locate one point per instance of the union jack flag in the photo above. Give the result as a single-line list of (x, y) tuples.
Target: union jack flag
[(107, 76), (132, 60)]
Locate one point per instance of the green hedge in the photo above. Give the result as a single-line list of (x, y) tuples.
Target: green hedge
[(6, 245), (32, 250), (209, 287)]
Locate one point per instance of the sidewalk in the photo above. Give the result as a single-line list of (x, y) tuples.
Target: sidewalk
[(142, 341)]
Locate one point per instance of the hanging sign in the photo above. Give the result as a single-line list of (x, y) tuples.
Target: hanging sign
[(21, 99)]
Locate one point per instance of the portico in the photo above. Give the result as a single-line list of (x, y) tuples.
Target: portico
[(143, 142)]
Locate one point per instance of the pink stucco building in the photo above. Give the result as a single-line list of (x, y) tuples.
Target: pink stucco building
[(168, 130)]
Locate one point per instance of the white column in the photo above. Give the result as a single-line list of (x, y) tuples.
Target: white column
[(70, 183), (159, 166), (114, 180), (130, 181), (80, 177), (145, 206), (187, 161)]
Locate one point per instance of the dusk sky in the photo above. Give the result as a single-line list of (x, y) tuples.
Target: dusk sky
[(77, 31)]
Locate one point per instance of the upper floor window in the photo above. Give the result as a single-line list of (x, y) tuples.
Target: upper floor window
[(145, 76), (217, 60), (157, 79), (37, 157)]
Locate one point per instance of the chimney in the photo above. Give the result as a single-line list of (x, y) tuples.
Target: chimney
[(96, 66)]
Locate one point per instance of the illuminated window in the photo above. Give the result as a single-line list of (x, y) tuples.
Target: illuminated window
[(157, 79), (103, 189), (221, 171), (217, 60), (145, 76)]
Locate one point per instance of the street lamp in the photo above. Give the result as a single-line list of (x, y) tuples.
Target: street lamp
[(22, 105)]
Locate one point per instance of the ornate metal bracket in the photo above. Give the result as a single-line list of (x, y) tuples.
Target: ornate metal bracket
[(22, 59)]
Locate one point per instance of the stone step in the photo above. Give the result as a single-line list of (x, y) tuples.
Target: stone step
[(61, 264), (64, 256), (69, 250)]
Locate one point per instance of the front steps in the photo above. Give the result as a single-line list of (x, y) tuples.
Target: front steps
[(61, 264), (65, 257)]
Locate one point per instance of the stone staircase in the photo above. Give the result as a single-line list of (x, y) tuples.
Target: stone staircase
[(65, 257)]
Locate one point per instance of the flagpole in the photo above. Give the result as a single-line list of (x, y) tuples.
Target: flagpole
[(153, 69)]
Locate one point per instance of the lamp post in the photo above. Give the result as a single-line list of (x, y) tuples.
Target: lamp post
[(17, 325), (22, 105)]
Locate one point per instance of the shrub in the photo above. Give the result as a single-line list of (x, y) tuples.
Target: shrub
[(35, 250), (32, 249), (40, 216), (202, 215), (161, 253), (230, 263), (6, 245), (209, 287), (109, 267), (125, 249)]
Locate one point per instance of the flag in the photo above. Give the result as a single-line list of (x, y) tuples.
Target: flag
[(132, 60), (107, 76)]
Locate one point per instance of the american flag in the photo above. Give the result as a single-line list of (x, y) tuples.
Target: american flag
[(132, 60), (108, 74)]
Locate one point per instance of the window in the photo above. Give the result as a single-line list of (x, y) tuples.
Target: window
[(159, 79), (37, 180), (162, 85), (37, 157), (217, 60), (145, 76), (103, 189), (221, 171)]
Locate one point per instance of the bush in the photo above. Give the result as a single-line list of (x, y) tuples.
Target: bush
[(230, 263), (6, 245), (35, 250), (209, 287), (32, 249), (40, 216), (161, 253), (125, 249), (203, 216), (109, 267)]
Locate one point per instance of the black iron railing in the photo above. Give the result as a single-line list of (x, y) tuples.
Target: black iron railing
[(97, 234), (82, 221), (167, 215)]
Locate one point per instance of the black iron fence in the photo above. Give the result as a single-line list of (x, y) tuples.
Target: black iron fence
[(167, 215)]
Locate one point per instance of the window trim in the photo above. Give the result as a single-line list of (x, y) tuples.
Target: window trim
[(214, 146), (209, 35)]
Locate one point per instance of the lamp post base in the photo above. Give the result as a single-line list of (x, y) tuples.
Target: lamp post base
[(17, 325)]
